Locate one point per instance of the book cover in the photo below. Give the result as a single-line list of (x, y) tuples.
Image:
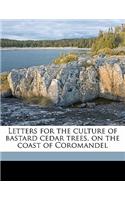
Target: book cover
[(62, 86)]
